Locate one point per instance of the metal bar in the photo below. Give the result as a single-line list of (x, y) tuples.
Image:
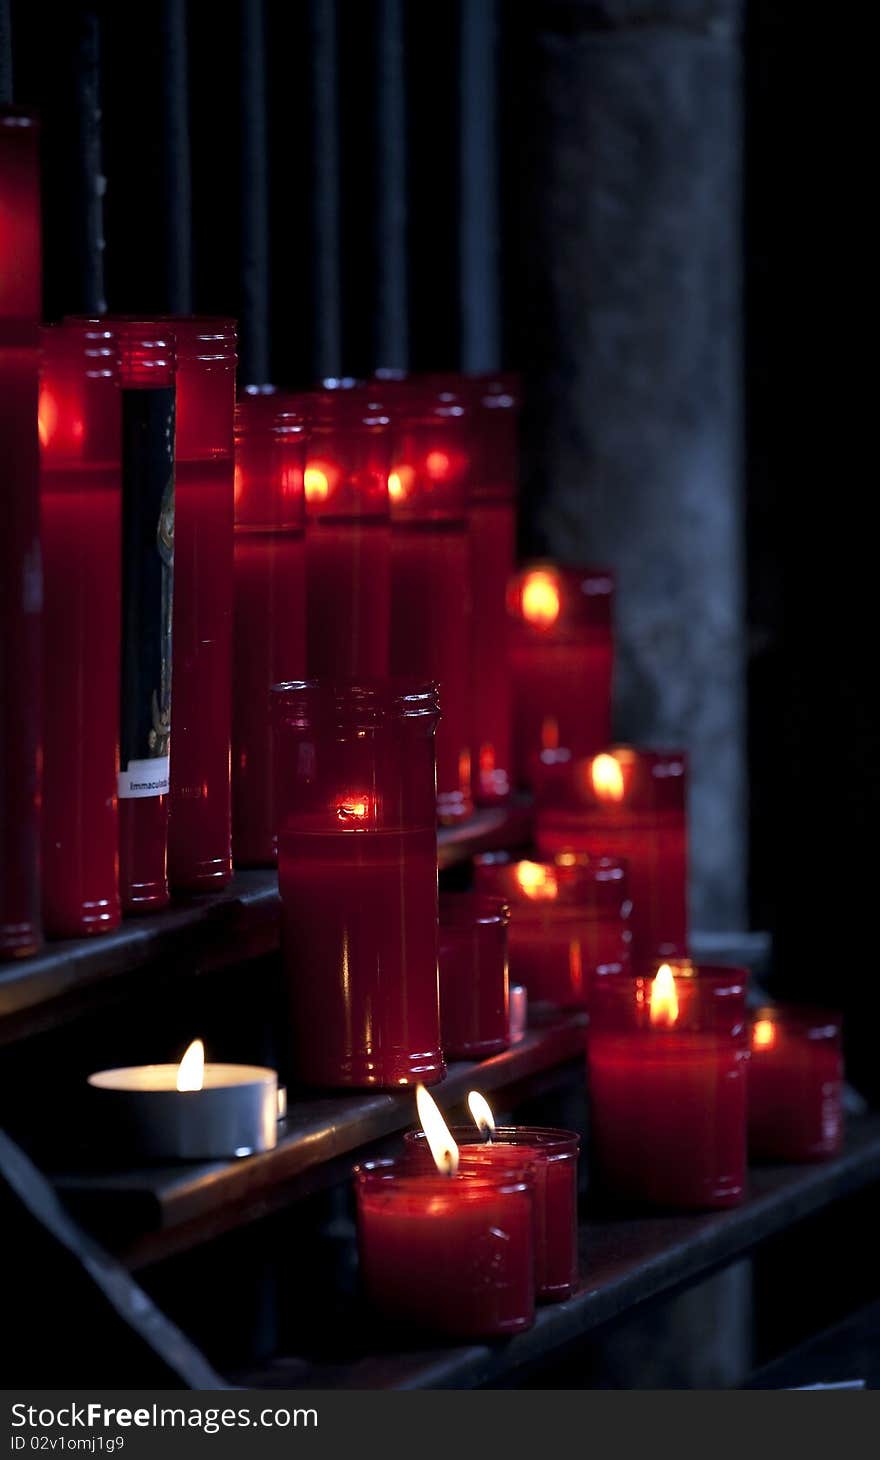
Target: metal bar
[(5, 54), (254, 346), (392, 283), (326, 191), (177, 163), (480, 299)]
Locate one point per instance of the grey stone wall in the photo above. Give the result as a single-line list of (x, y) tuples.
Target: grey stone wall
[(631, 240)]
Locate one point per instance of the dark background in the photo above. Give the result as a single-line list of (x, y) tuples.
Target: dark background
[(644, 207)]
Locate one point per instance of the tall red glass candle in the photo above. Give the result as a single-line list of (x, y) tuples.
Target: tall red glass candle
[(561, 659), (200, 831), (667, 1053), (450, 1255), (631, 804), (550, 1158), (147, 377), (492, 518), (357, 863), (569, 920), (20, 572), (79, 427), (270, 603), (348, 537), (474, 1014), (430, 570), (795, 1084)]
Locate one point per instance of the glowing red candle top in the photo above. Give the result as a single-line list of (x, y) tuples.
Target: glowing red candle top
[(347, 456), (494, 447), (270, 458), (20, 232)]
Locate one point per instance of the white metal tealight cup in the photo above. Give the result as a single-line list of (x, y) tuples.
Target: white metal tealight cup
[(189, 1112)]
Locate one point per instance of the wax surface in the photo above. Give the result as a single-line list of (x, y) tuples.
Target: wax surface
[(349, 597), (430, 625), (492, 548), (457, 1265), (159, 1078), (795, 1109), (668, 1118), (269, 646), (81, 527), (359, 919)]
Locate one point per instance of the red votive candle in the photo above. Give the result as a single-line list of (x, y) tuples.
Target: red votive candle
[(569, 920), (20, 574), (561, 658), (795, 1084), (147, 376), (449, 1255), (200, 831), (81, 504), (474, 1015), (631, 804), (348, 537), (667, 1057), (357, 863), (270, 602), (430, 568), (492, 518), (550, 1159)]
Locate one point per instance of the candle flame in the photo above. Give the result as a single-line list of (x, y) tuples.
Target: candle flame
[(764, 1034), (481, 1111), (47, 415), (437, 465), (437, 1133), (664, 997), (540, 599), (316, 483), (536, 881), (353, 808), (191, 1070), (606, 777)]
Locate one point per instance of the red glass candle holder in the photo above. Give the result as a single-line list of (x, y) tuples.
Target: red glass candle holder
[(492, 519), (430, 570), (81, 504), (474, 1014), (561, 659), (569, 920), (200, 829), (20, 572), (667, 1083), (449, 1255), (550, 1159), (147, 369), (795, 1084), (357, 860), (631, 804), (348, 537), (270, 603)]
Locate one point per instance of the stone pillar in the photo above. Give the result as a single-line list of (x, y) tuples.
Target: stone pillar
[(630, 283)]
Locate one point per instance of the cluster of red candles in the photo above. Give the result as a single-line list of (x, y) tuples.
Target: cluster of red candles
[(292, 630)]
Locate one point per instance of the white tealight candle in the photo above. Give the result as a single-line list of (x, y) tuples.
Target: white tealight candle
[(191, 1111)]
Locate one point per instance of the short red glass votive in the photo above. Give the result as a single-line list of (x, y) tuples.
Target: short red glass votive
[(21, 598), (474, 1014), (81, 506), (147, 371), (430, 567), (561, 659), (492, 527), (348, 536), (550, 1159), (200, 830), (270, 602), (357, 862), (448, 1255), (795, 1084), (631, 804), (667, 1055), (569, 919)]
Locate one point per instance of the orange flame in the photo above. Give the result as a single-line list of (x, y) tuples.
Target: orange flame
[(537, 881), (437, 465), (606, 778), (763, 1034), (481, 1112), (353, 809), (191, 1070), (437, 1133), (540, 599), (664, 997), (316, 481), (400, 482)]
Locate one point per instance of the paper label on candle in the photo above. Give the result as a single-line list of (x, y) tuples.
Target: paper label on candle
[(147, 590)]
